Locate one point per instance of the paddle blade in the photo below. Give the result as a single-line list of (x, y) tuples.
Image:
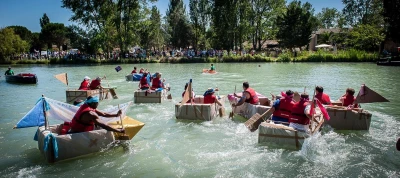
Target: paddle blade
[(169, 97), (62, 77), (253, 123), (366, 95)]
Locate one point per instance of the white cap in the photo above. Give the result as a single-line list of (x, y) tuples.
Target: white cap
[(86, 78)]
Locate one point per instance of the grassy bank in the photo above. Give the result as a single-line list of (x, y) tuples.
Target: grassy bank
[(305, 56)]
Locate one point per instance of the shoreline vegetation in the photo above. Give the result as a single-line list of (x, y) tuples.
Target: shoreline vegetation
[(304, 56)]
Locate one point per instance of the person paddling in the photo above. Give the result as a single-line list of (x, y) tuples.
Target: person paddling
[(282, 108), (9, 71), (321, 96), (96, 84), (134, 70), (210, 98), (143, 83), (85, 84), (300, 115), (212, 67), (87, 117), (348, 99), (157, 82), (249, 95)]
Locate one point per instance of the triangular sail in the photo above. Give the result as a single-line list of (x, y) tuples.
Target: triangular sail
[(62, 112), (62, 77), (35, 117), (187, 96), (366, 95)]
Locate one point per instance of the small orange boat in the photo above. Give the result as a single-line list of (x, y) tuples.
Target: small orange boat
[(209, 71)]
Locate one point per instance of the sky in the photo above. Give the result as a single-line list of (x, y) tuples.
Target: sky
[(28, 12)]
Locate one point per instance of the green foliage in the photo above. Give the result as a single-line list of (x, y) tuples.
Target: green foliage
[(11, 43), (23, 32), (363, 12), (328, 17), (44, 20), (366, 37), (53, 33), (296, 25), (284, 57), (392, 19), (179, 28)]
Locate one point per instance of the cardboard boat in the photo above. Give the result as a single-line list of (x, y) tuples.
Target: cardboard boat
[(80, 144), (246, 110), (73, 94), (289, 137), (56, 146), (199, 111), (147, 96), (343, 118)]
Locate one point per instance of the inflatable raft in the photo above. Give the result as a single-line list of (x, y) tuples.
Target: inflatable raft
[(200, 111), (56, 146)]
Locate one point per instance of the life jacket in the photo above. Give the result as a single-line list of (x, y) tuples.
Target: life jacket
[(143, 82), (209, 99), (297, 115), (84, 85), (65, 128), (77, 125), (348, 100), (253, 96), (156, 83), (140, 71), (285, 108), (133, 71), (94, 84), (323, 98)]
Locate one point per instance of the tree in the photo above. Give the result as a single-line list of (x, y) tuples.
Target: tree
[(35, 44), (392, 19), (11, 43), (53, 33), (263, 20), (200, 18), (328, 17), (296, 25), (325, 38), (366, 37), (179, 28), (155, 29), (44, 20), (363, 12), (23, 32)]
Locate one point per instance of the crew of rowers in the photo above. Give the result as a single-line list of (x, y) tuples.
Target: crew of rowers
[(87, 85), (294, 114)]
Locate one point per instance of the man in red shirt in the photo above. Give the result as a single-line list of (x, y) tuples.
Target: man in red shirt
[(134, 70), (348, 98), (85, 84), (321, 96), (96, 84), (210, 98)]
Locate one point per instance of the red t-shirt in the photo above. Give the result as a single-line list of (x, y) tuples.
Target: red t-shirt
[(209, 99), (323, 98), (94, 84)]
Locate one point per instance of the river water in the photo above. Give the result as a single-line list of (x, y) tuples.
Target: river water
[(167, 147)]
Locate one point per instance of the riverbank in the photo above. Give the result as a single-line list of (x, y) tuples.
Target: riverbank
[(305, 56)]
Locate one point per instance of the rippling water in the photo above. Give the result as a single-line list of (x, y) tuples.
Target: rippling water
[(167, 147)]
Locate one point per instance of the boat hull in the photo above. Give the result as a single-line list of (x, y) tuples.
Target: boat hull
[(199, 111), (23, 78), (73, 95), (343, 119), (79, 144)]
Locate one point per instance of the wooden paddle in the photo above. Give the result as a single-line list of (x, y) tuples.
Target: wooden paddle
[(231, 114), (255, 121), (122, 136), (112, 91)]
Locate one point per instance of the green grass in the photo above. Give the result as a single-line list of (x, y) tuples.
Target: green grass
[(304, 56)]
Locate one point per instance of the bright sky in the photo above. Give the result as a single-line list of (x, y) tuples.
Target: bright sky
[(28, 12)]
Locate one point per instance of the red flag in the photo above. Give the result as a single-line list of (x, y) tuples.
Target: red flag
[(312, 109), (283, 94), (323, 110)]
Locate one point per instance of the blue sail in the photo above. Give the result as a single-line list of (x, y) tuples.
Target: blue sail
[(35, 117)]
